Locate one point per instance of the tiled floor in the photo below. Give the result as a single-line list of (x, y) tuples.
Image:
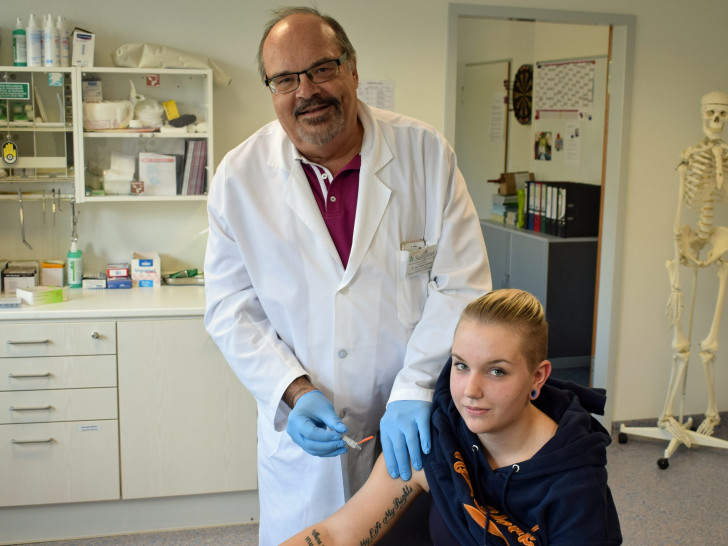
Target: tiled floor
[(683, 504)]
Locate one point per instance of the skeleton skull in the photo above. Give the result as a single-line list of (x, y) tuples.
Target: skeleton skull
[(714, 106)]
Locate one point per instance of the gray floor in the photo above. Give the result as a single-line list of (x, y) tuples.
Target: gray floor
[(684, 504)]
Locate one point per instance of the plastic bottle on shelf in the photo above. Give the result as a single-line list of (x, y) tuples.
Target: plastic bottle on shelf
[(51, 48), (20, 53), (33, 38), (63, 44), (74, 265)]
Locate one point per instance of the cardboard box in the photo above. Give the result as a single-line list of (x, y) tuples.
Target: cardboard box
[(118, 282), (510, 183), (53, 273), (94, 281), (18, 277), (38, 295), (117, 270), (83, 47), (146, 269)]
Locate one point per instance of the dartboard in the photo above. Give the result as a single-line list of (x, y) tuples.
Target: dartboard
[(522, 97)]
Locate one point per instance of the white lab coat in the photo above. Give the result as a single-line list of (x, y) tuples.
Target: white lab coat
[(280, 303)]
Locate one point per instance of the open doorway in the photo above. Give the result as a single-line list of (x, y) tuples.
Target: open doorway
[(554, 128), (611, 232)]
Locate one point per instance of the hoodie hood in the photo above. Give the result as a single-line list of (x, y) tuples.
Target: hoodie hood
[(521, 504)]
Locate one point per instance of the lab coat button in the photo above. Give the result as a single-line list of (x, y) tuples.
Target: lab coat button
[(343, 353), (332, 199)]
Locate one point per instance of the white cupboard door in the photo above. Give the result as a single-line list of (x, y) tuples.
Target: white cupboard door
[(187, 425), (46, 463)]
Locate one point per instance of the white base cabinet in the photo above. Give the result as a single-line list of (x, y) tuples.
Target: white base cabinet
[(118, 415), (187, 423), (59, 438)]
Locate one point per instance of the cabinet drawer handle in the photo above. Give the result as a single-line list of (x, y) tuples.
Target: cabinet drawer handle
[(23, 442), (28, 375), (37, 408), (29, 342), (95, 335)]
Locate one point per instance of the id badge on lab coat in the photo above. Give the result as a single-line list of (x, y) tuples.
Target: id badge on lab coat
[(421, 260), (412, 280)]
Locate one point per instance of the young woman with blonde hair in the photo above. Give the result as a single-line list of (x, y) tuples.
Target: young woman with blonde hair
[(516, 457)]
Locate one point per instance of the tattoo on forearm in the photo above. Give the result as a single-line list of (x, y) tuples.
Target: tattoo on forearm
[(398, 504), (314, 538)]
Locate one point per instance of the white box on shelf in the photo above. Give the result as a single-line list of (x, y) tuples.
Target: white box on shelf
[(146, 269)]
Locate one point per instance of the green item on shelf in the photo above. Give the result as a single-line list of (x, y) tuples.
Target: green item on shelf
[(184, 274)]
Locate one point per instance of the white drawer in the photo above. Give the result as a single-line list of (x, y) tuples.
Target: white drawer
[(58, 405), (57, 372), (59, 462), (58, 339)]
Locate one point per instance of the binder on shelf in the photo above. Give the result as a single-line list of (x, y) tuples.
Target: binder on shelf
[(563, 209), (581, 209)]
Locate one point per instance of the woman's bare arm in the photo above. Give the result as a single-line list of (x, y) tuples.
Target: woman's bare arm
[(369, 514)]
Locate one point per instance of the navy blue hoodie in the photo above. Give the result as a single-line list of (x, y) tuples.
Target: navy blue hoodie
[(558, 497)]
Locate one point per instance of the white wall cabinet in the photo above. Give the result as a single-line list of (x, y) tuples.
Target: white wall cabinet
[(54, 147), (39, 134), (187, 423), (560, 272), (105, 149)]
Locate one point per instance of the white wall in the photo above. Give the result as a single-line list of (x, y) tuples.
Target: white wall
[(679, 54)]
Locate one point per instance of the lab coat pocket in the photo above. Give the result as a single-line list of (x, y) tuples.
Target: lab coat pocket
[(411, 292)]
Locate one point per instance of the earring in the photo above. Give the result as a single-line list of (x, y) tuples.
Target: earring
[(534, 394)]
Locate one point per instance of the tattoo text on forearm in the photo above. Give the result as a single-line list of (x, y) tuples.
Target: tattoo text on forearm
[(398, 505)]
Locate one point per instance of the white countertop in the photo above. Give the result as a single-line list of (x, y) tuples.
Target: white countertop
[(164, 301)]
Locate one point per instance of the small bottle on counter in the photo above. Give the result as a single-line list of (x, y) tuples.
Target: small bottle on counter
[(74, 266)]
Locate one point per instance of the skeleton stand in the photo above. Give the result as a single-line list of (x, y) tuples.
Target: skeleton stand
[(701, 186)]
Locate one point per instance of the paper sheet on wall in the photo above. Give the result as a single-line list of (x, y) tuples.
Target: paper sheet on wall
[(572, 145), (497, 117), (377, 93), (567, 85)]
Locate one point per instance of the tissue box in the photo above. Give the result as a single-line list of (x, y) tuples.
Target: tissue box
[(146, 269), (83, 47), (52, 273)]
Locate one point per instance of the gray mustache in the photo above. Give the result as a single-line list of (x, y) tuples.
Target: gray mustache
[(306, 104)]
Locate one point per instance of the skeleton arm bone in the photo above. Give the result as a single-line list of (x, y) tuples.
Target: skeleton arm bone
[(675, 301)]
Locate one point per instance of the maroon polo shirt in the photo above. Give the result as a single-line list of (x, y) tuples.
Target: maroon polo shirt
[(338, 204)]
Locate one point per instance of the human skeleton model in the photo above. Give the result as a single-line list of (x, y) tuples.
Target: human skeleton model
[(704, 245)]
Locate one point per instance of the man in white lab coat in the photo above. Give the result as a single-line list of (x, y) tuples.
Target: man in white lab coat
[(343, 246)]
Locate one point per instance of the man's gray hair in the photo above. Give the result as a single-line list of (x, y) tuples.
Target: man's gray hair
[(280, 14)]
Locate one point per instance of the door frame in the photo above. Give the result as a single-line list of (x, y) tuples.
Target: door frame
[(614, 191)]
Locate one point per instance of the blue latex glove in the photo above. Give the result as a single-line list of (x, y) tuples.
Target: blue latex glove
[(309, 423), (405, 428)]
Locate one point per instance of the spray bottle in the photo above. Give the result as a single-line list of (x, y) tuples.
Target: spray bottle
[(51, 47), (20, 54), (74, 258), (33, 39), (63, 43)]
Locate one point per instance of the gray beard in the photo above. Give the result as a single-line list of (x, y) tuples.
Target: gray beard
[(321, 132)]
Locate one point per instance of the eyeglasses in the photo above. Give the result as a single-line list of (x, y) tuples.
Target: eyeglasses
[(320, 73)]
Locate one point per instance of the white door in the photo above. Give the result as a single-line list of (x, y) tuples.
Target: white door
[(481, 129)]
